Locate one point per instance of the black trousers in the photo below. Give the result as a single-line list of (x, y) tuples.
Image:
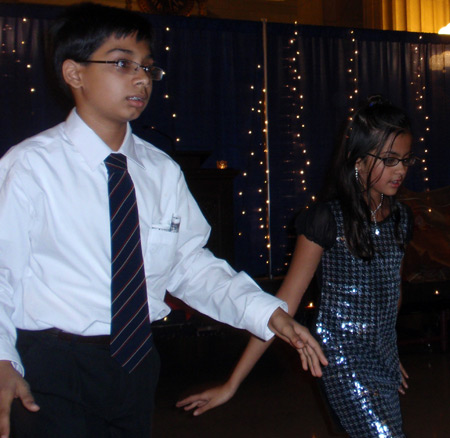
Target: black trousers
[(82, 391)]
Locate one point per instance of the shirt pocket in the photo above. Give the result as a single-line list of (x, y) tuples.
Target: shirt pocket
[(160, 253)]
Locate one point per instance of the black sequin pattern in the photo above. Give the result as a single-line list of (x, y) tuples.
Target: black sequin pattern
[(356, 327)]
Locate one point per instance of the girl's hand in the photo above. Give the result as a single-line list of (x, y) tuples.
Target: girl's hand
[(206, 400), (404, 386)]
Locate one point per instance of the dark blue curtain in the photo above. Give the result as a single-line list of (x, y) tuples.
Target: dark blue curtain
[(211, 101), (317, 75)]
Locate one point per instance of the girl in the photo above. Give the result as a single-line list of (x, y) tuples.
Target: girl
[(355, 242)]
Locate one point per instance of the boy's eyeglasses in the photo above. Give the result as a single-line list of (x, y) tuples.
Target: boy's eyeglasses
[(393, 161), (130, 67)]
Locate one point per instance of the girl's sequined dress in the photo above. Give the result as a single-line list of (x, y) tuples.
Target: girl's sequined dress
[(355, 325)]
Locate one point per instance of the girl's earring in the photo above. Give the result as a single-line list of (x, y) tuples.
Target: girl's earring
[(356, 174)]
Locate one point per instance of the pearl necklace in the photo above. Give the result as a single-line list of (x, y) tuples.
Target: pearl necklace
[(373, 213)]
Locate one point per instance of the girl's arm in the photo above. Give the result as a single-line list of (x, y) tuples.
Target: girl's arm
[(303, 265)]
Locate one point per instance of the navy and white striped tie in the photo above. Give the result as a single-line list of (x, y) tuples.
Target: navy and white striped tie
[(131, 335)]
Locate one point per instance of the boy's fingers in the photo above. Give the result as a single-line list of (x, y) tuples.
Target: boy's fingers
[(5, 410), (314, 349), (301, 338), (14, 386), (24, 394)]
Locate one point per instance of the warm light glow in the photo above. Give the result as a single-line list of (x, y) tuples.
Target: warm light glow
[(445, 30), (221, 164), (440, 61)]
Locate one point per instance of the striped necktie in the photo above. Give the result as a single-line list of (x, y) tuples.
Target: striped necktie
[(131, 336)]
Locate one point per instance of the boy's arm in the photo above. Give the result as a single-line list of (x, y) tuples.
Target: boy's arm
[(14, 251), (15, 220), (302, 268), (209, 284)]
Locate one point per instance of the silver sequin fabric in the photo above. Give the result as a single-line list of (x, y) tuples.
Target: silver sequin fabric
[(356, 327)]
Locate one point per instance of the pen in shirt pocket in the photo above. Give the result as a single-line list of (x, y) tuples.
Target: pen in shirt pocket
[(173, 227), (175, 224)]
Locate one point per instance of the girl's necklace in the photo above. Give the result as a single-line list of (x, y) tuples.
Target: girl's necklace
[(373, 213)]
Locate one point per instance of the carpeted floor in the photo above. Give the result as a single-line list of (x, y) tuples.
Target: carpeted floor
[(278, 399)]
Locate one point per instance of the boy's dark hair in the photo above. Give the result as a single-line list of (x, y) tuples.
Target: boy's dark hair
[(83, 28), (374, 124)]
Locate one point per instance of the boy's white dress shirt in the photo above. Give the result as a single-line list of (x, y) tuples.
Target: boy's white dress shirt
[(55, 268)]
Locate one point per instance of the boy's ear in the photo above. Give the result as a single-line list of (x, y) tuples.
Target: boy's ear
[(71, 73)]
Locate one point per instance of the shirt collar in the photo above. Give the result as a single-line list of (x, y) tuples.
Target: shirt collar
[(93, 149)]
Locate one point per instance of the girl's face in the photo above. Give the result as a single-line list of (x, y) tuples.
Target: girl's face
[(384, 179)]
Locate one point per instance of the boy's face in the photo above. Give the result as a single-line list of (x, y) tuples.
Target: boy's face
[(105, 93)]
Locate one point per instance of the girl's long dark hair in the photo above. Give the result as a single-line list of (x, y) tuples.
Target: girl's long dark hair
[(374, 124)]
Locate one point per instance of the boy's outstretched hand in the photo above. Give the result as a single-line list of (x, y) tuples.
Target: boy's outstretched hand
[(12, 385), (286, 328)]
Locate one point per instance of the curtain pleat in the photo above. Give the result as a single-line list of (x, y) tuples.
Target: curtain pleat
[(415, 15)]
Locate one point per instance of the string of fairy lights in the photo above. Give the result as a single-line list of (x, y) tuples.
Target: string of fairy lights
[(295, 127), (297, 124), (298, 163), (353, 74), (166, 96), (419, 86), (253, 200)]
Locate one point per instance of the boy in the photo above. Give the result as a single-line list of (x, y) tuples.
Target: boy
[(87, 355)]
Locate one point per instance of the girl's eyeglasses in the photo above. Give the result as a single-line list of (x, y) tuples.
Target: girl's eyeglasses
[(393, 161)]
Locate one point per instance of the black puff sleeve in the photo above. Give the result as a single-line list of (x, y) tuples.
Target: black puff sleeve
[(317, 224)]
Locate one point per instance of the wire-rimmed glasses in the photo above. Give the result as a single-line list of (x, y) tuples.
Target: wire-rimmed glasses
[(131, 67)]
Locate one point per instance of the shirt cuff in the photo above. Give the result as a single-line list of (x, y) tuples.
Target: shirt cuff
[(10, 354), (263, 324), (19, 368)]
